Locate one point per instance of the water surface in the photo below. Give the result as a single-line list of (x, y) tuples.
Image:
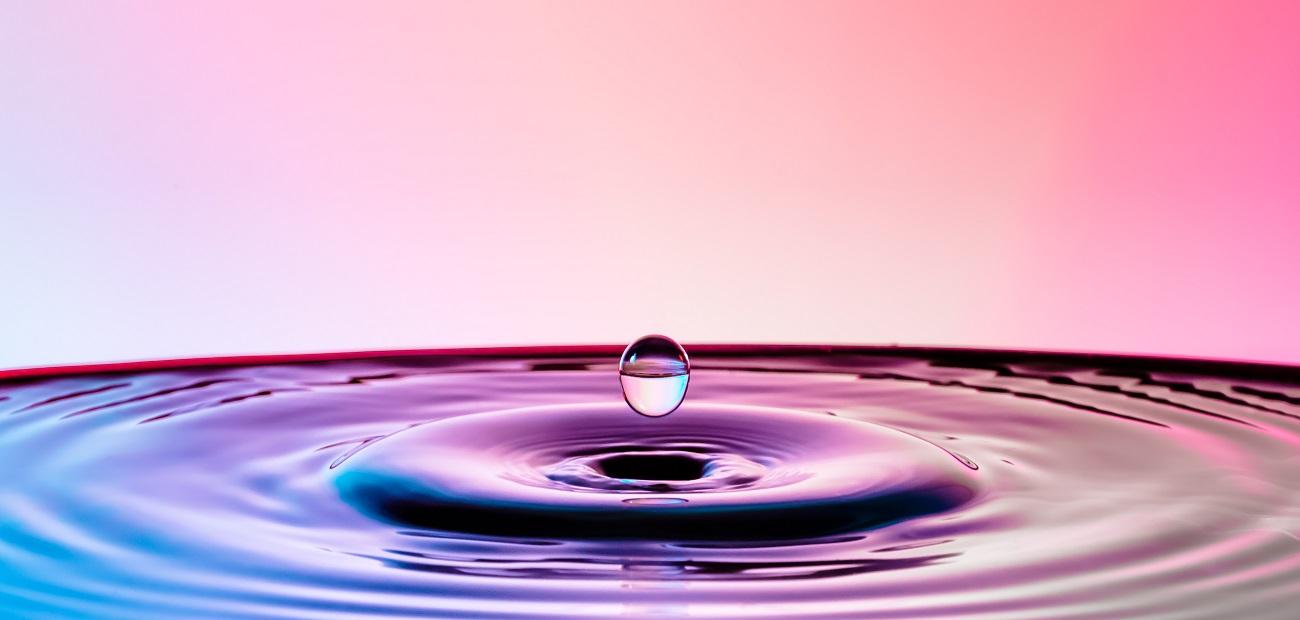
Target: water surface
[(793, 483)]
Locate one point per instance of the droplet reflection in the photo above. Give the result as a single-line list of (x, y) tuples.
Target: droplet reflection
[(655, 501)]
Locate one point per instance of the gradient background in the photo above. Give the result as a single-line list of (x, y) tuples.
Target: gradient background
[(187, 178)]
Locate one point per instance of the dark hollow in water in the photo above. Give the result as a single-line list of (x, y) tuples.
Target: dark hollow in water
[(661, 522), (652, 467), (751, 473)]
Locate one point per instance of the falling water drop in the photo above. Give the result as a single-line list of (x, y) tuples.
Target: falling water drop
[(654, 372)]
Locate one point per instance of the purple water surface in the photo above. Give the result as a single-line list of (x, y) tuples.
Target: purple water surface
[(795, 482)]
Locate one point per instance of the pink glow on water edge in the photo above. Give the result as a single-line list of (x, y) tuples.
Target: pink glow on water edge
[(183, 179)]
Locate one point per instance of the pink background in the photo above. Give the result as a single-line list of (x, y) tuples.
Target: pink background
[(185, 178)]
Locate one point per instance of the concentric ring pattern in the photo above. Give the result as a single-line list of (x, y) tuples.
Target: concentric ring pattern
[(796, 482)]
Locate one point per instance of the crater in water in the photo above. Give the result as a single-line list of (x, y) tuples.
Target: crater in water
[(658, 465), (565, 471), (795, 483)]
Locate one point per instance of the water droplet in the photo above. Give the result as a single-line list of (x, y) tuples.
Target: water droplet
[(654, 372)]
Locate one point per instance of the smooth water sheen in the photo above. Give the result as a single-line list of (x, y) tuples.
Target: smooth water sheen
[(795, 483)]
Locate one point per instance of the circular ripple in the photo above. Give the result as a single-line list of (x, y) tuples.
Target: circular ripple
[(708, 472), (1106, 488)]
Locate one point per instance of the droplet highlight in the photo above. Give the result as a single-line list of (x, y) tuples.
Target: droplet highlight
[(654, 372)]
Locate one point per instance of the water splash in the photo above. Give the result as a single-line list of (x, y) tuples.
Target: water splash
[(749, 472), (945, 484)]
